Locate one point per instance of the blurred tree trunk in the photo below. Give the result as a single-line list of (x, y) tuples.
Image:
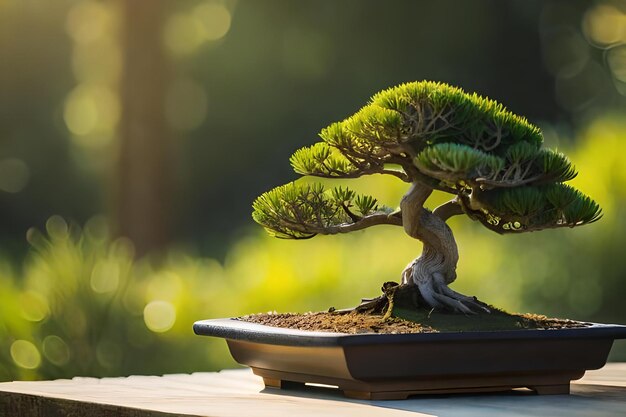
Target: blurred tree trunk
[(143, 183)]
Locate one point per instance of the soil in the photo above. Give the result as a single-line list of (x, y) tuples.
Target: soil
[(357, 323), (408, 317), (352, 323)]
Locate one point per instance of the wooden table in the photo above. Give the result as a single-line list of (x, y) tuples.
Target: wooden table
[(239, 393)]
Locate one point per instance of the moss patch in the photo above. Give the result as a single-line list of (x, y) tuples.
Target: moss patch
[(496, 320)]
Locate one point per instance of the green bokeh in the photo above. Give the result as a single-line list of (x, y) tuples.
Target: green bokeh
[(74, 301)]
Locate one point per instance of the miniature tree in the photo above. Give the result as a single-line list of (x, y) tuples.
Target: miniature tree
[(434, 137)]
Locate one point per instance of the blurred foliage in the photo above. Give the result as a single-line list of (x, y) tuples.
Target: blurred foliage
[(263, 76), (254, 80), (80, 305)]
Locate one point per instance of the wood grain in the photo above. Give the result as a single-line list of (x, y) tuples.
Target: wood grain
[(240, 393)]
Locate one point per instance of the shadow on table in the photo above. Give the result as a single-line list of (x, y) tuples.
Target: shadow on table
[(585, 400)]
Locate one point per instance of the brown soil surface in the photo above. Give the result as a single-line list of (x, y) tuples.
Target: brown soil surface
[(356, 323), (352, 323)]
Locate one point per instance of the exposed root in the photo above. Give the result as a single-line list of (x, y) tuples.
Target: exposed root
[(389, 288), (434, 290), (430, 294), (382, 304)]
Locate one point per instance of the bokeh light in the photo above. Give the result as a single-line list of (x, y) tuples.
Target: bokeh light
[(604, 25), (25, 354), (88, 21), (616, 58), (57, 228), (34, 306), (105, 277), (268, 76), (214, 19), (91, 113), (56, 350), (166, 285), (159, 316), (185, 32), (92, 110), (182, 34)]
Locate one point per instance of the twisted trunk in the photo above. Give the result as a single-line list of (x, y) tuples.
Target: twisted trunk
[(435, 269)]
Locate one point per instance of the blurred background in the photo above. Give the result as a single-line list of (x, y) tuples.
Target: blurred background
[(134, 136)]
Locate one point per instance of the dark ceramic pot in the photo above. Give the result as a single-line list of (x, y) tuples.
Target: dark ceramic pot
[(395, 366)]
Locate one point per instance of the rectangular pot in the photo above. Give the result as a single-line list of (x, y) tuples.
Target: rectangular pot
[(393, 366)]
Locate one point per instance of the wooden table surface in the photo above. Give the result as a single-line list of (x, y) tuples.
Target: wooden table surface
[(240, 393)]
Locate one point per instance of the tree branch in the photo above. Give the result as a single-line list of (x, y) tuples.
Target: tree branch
[(449, 209), (507, 184), (336, 175), (398, 174), (311, 230), (363, 223)]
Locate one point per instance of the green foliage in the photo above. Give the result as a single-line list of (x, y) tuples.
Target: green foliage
[(321, 160), (574, 274), (446, 139), (366, 204), (518, 202), (521, 152), (81, 305), (454, 162), (556, 166), (435, 112), (539, 207), (300, 211)]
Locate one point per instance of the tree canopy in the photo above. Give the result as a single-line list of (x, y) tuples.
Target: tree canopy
[(436, 135)]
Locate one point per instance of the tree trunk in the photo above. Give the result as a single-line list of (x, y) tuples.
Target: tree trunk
[(144, 173), (435, 269)]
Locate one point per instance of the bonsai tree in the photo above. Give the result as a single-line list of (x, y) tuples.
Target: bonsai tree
[(434, 137)]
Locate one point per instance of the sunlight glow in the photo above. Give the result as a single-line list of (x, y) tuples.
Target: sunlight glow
[(604, 25), (164, 286), (88, 21), (105, 277), (92, 112), (185, 32), (25, 354), (159, 316), (214, 19), (34, 306), (182, 34)]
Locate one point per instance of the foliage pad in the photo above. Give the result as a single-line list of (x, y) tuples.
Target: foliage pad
[(470, 146)]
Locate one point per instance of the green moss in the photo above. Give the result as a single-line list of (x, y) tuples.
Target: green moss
[(451, 322), (406, 307)]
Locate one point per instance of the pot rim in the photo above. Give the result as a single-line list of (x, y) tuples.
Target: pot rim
[(232, 328)]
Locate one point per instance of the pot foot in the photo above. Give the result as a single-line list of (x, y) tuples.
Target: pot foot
[(561, 389), (281, 383)]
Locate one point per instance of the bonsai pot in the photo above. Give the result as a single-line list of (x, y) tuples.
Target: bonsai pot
[(395, 366), (493, 165)]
